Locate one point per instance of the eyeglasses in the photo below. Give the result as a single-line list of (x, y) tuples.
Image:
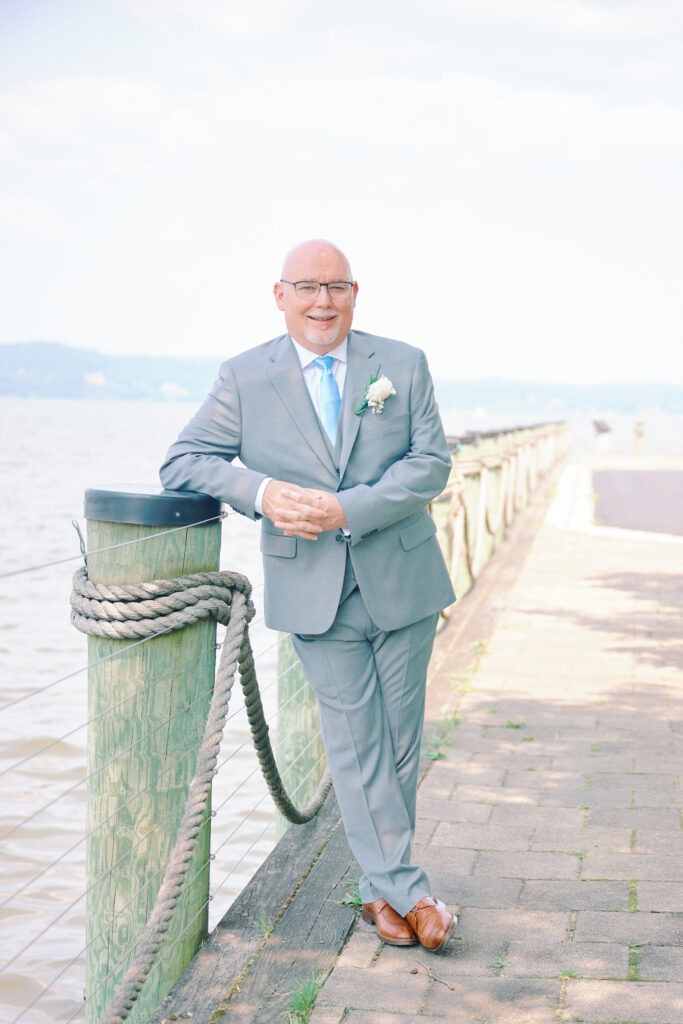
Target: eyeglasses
[(310, 289)]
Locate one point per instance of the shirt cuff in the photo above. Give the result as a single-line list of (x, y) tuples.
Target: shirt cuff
[(258, 500)]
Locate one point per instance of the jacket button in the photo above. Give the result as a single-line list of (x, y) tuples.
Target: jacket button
[(339, 539)]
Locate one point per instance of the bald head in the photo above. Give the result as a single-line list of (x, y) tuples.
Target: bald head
[(318, 321), (316, 252)]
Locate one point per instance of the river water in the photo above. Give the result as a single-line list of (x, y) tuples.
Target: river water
[(52, 450)]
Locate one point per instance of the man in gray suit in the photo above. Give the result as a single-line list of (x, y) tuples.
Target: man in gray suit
[(342, 449)]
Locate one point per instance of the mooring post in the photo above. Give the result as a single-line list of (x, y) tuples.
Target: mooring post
[(147, 707)]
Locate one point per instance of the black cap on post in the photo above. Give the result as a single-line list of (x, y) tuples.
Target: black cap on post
[(149, 506)]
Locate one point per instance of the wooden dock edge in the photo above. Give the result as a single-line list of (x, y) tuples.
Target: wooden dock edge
[(286, 925), (245, 972)]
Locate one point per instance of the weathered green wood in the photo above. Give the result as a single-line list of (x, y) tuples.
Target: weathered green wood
[(300, 752), (147, 707), (220, 965), (306, 942)]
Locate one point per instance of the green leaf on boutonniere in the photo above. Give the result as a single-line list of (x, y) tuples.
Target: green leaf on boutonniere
[(364, 404)]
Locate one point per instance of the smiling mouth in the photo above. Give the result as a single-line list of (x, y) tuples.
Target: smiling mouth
[(321, 319)]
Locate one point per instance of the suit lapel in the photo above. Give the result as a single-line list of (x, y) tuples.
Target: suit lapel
[(359, 369), (285, 373)]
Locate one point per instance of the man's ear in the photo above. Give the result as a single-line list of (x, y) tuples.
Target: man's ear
[(279, 293)]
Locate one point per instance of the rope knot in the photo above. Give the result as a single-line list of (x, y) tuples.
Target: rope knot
[(134, 611)]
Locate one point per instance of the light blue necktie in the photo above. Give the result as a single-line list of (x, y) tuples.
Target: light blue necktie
[(329, 396)]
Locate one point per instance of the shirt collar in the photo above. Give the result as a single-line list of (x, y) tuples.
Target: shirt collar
[(306, 357)]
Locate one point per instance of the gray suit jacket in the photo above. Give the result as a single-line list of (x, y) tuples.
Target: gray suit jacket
[(388, 468)]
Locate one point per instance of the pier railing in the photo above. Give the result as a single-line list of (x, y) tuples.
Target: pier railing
[(494, 473), (149, 700)]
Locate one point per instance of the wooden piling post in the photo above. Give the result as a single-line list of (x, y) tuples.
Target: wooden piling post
[(147, 708)]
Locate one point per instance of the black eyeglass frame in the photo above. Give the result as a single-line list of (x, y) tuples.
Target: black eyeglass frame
[(320, 284)]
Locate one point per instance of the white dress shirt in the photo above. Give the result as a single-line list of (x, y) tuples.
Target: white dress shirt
[(312, 375)]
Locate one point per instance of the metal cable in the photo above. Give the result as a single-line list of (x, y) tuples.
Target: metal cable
[(110, 547), (115, 612), (100, 714), (114, 707), (149, 881), (214, 812), (109, 657), (526, 470), (116, 757), (121, 807), (205, 904), (84, 668)]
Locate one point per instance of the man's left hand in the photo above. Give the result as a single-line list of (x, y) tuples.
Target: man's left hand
[(328, 513)]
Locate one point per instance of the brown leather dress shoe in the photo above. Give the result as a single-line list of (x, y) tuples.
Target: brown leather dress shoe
[(432, 923), (391, 927)]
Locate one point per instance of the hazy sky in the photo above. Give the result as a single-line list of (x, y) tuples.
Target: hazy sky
[(505, 175)]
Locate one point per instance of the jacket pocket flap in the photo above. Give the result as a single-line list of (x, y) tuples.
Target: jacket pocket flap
[(419, 531), (278, 544)]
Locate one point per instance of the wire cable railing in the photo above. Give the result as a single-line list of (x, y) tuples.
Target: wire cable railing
[(116, 706), (85, 554), (136, 796), (123, 649), (95, 718), (155, 876), (127, 953), (141, 739), (486, 490), (203, 907)]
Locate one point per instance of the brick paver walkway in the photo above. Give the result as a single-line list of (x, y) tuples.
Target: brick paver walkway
[(555, 818)]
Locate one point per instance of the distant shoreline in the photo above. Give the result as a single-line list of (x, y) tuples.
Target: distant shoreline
[(53, 370)]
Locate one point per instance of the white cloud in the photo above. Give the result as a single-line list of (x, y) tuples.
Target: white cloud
[(235, 20), (27, 217), (459, 117), (72, 117), (502, 174)]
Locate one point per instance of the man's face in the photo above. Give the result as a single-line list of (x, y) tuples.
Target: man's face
[(322, 322)]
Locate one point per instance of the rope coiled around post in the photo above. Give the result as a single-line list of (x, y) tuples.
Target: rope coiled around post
[(145, 610)]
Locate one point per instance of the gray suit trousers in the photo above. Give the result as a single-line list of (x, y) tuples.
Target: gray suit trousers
[(370, 687)]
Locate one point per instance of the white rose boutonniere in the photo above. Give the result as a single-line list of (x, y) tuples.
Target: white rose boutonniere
[(376, 394)]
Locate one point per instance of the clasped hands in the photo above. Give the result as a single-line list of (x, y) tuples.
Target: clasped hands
[(302, 511)]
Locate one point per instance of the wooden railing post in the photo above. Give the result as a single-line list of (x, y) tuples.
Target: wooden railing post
[(493, 478), (147, 706)]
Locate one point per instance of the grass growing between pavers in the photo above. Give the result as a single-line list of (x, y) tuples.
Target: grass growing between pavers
[(301, 1001), (461, 680), (265, 925), (352, 898), (633, 963), (441, 738), (633, 896), (498, 964)]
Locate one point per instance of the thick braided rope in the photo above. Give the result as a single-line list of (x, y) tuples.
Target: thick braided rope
[(111, 612)]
